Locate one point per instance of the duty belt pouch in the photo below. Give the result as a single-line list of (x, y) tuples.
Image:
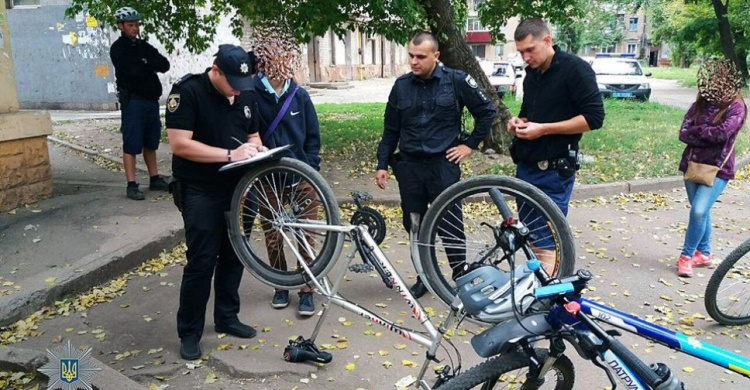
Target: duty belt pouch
[(565, 167), (175, 188)]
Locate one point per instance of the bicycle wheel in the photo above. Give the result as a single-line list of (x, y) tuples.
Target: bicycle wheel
[(458, 229), (509, 372), (266, 200), (728, 292)]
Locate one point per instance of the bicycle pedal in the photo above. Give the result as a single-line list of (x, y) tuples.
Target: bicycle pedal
[(361, 268)]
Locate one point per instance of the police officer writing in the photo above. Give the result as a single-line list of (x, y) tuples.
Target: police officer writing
[(139, 89), (207, 116), (561, 101), (423, 119)]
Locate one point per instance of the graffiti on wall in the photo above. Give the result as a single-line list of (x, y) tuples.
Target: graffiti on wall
[(83, 38)]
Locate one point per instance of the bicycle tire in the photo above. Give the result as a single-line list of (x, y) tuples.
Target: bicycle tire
[(493, 370), (474, 193), (284, 190), (715, 292)]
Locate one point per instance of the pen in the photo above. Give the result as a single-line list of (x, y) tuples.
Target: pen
[(238, 141)]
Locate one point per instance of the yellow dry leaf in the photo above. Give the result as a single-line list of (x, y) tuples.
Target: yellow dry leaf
[(387, 364), (409, 363), (349, 366), (382, 352), (399, 346), (688, 369)]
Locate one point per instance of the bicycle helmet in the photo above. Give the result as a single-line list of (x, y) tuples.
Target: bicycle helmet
[(127, 14), (486, 292)]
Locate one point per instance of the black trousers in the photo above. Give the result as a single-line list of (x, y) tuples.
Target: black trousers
[(209, 255), (419, 183)]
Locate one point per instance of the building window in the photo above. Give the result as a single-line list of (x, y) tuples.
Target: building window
[(478, 51), (607, 49), (499, 50), (633, 24), (474, 25), (17, 3), (333, 47), (632, 47), (474, 3)]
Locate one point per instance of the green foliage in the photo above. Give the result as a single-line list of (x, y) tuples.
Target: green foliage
[(494, 14), (638, 140)]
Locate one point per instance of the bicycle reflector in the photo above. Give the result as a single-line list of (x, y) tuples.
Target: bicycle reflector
[(486, 292)]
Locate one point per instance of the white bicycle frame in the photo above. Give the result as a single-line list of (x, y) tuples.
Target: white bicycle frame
[(330, 291)]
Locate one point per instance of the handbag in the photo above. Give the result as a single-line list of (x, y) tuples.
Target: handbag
[(704, 173)]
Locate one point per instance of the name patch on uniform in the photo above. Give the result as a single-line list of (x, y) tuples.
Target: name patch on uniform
[(248, 114), (470, 80), (173, 102)]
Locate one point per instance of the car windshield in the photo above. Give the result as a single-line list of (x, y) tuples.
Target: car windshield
[(502, 70), (617, 68)]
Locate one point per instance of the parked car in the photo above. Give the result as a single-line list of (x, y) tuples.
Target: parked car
[(621, 78), (502, 76)]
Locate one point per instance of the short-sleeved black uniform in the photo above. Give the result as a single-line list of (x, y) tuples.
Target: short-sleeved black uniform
[(195, 105), (422, 119)]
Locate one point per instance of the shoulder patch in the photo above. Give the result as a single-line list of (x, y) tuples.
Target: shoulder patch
[(248, 113), (173, 102), (470, 80), (184, 78)]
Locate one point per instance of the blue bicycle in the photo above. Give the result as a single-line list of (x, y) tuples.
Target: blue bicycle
[(552, 310)]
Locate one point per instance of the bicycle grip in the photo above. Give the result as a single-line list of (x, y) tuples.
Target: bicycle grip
[(637, 365), (499, 200)]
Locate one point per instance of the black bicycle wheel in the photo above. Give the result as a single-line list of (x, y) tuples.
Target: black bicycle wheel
[(509, 372), (728, 292), (458, 229), (266, 200)]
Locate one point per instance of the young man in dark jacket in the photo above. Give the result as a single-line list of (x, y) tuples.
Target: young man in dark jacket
[(136, 63), (297, 125)]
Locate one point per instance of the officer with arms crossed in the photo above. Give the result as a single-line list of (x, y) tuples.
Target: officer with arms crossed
[(207, 114), (423, 118), (561, 101), (139, 89)]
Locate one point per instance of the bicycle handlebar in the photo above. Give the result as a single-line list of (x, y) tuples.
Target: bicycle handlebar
[(499, 200)]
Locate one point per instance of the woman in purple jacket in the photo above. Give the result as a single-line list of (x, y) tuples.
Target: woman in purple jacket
[(709, 129)]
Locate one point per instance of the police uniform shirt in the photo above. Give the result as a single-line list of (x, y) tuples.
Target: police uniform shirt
[(194, 104), (423, 117)]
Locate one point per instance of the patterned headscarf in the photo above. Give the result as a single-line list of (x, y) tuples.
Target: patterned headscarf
[(277, 51), (719, 81)]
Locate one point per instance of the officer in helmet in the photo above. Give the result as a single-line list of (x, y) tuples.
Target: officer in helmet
[(136, 64)]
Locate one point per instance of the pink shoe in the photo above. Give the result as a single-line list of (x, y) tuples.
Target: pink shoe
[(685, 266), (702, 260)]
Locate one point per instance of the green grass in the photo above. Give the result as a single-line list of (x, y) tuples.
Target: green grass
[(686, 76), (638, 140)]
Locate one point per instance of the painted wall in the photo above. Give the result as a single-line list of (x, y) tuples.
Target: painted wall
[(60, 63)]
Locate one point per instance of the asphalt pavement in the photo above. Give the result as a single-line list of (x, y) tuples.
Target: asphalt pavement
[(88, 233)]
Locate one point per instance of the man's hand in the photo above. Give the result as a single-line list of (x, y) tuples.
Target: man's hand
[(381, 177), (530, 130), (458, 153), (514, 123), (244, 151)]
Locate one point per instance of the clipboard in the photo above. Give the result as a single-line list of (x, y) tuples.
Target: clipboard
[(270, 154)]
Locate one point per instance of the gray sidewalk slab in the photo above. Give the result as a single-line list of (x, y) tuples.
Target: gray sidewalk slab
[(86, 233)]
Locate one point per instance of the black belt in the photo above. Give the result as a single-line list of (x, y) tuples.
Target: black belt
[(422, 158)]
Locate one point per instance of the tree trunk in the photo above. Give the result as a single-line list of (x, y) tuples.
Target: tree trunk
[(455, 53), (725, 33)]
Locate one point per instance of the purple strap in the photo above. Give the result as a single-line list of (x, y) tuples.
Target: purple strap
[(275, 123)]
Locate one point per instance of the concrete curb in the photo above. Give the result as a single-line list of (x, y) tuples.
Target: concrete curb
[(27, 360), (240, 364), (82, 275), (139, 166)]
